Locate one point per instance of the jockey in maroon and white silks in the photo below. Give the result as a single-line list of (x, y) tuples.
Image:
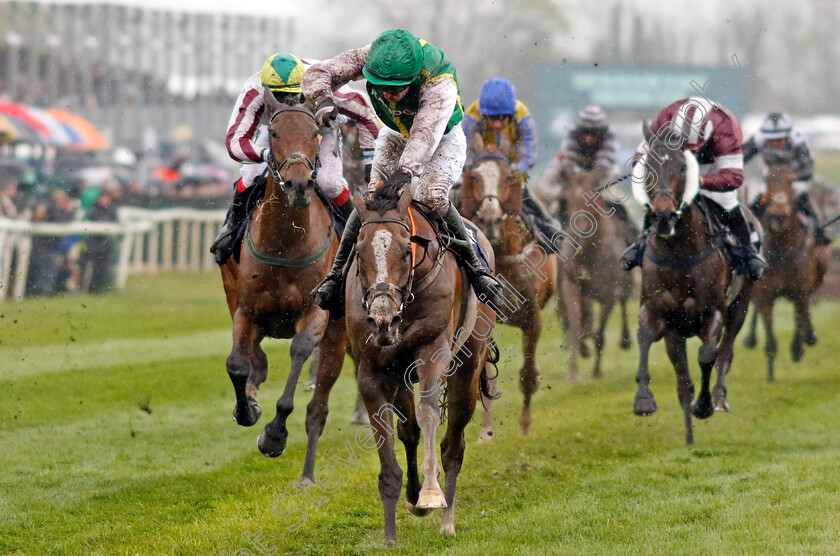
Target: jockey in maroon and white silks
[(713, 133), (247, 138)]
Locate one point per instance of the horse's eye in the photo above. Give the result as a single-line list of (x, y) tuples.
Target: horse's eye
[(273, 134)]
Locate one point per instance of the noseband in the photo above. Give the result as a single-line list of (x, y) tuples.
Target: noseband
[(294, 158), (388, 289)]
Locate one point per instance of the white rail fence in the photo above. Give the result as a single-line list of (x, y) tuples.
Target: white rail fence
[(150, 241)]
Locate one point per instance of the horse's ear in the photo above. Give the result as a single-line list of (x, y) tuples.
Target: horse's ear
[(271, 102), (513, 200), (646, 131), (359, 204), (405, 199), (477, 144), (504, 144), (469, 198)]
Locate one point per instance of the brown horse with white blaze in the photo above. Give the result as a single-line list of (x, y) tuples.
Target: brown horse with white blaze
[(288, 247), (685, 279), (796, 266), (491, 196), (413, 319)]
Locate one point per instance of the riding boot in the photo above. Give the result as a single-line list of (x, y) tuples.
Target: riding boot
[(486, 286), (328, 293), (222, 247), (542, 225), (634, 254), (803, 204), (745, 252)]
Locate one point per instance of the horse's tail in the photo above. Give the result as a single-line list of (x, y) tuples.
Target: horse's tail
[(484, 387)]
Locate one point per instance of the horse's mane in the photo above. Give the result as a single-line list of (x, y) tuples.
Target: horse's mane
[(385, 197)]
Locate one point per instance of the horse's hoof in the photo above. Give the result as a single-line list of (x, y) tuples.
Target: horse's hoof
[(447, 529), (584, 350), (596, 373), (310, 385), (574, 377), (702, 407), (305, 481), (360, 418), (419, 512), (810, 339), (247, 415), (485, 436), (431, 499), (626, 343), (272, 446), (644, 404), (750, 341), (796, 353), (720, 403)]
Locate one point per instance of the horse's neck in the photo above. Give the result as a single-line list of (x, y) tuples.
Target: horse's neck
[(282, 227), (512, 238), (690, 235), (789, 239)]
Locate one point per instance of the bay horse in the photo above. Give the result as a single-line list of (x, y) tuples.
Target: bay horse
[(413, 319), (797, 266), (288, 247), (591, 274), (685, 275), (491, 196)]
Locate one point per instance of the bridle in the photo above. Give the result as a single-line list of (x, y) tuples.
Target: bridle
[(404, 295), (389, 289), (294, 158)]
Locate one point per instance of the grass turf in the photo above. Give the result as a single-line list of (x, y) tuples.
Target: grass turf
[(117, 438)]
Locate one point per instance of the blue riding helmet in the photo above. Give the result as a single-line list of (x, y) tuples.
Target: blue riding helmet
[(497, 98)]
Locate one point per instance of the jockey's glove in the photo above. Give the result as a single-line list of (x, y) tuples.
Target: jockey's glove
[(400, 178), (326, 111), (368, 168)]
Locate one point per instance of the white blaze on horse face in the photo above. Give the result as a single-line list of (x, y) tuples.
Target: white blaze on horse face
[(381, 244), (490, 175)]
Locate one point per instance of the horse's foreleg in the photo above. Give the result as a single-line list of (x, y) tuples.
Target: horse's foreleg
[(486, 433), (770, 345), (241, 363), (572, 302), (409, 433), (461, 399), (606, 310), (735, 317), (625, 342), (797, 349), (332, 349), (378, 396), (585, 324), (650, 330), (675, 346), (310, 330), (313, 369), (709, 334), (433, 360), (750, 339), (529, 374)]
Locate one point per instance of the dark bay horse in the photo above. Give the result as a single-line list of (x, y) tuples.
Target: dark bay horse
[(797, 266), (591, 274), (288, 247), (491, 196), (414, 323), (684, 283)]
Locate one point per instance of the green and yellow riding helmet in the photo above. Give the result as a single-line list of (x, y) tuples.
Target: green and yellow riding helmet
[(282, 74)]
